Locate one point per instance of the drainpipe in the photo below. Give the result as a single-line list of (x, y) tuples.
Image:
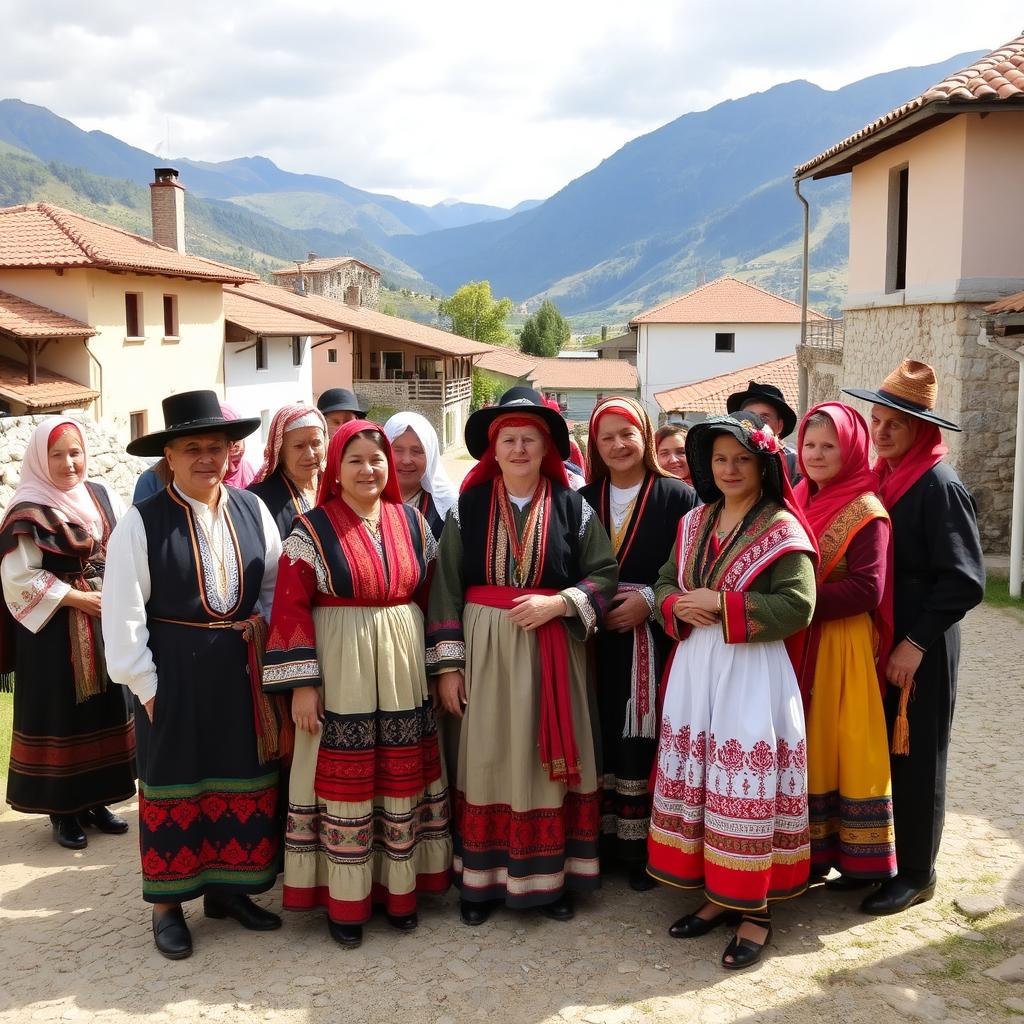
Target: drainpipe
[(986, 338), (801, 368), (99, 366)]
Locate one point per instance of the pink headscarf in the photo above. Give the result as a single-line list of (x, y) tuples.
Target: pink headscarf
[(242, 473), (36, 485), (287, 418)]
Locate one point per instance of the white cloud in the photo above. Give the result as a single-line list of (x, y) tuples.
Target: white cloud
[(487, 102)]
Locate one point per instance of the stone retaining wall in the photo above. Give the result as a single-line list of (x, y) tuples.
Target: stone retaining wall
[(108, 461)]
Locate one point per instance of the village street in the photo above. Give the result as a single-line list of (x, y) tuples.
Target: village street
[(75, 940)]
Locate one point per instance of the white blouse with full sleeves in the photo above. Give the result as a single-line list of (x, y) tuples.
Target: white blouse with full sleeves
[(30, 592), (127, 588)]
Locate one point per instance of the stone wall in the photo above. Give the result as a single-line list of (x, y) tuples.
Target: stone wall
[(977, 389), (824, 368), (108, 461), (333, 284), (379, 399)]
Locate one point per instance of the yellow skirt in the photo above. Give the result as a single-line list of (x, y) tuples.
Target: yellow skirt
[(850, 789)]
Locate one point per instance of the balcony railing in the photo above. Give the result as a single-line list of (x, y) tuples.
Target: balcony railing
[(415, 389), (825, 334)]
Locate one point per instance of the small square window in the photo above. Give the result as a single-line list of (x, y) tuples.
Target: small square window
[(725, 342), (170, 316), (298, 351), (133, 314), (261, 353), (137, 424), (332, 355)]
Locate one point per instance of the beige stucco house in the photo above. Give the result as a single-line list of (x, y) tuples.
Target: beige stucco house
[(936, 232)]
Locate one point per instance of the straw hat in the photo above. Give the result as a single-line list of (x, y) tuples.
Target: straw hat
[(910, 388)]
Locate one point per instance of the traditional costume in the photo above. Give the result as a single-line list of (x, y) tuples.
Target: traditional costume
[(843, 667), (730, 795), (181, 621), (641, 522), (938, 576), (437, 492), (368, 817), (526, 799), (272, 485), (73, 744)]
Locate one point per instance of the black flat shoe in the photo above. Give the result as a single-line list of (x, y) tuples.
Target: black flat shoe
[(105, 820), (639, 880), (474, 913), (348, 935), (67, 832), (561, 910), (171, 934), (849, 883), (898, 894), (693, 926), (403, 922), (742, 953), (241, 909)]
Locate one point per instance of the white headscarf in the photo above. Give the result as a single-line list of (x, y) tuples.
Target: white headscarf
[(435, 480)]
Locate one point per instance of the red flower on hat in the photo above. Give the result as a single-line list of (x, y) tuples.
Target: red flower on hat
[(765, 439)]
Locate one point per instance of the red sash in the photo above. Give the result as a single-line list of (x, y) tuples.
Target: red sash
[(556, 742), (330, 601)]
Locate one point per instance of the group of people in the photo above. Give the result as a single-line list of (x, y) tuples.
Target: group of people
[(348, 669)]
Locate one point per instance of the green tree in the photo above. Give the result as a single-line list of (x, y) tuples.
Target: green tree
[(474, 313), (545, 332), (487, 389)]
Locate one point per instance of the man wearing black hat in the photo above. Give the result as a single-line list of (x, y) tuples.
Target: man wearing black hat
[(766, 401), (188, 571), (339, 405)]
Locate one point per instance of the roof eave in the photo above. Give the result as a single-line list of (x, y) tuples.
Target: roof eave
[(894, 133)]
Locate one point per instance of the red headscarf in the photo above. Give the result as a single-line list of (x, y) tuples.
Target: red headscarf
[(631, 410), (242, 474), (926, 452), (329, 487), (487, 468)]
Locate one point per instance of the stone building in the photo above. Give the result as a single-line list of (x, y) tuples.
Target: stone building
[(936, 219), (341, 278)]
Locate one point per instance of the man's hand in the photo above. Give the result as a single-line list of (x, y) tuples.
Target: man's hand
[(904, 661), (451, 691), (626, 612)]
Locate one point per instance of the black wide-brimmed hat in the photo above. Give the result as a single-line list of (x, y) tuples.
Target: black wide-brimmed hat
[(192, 412), (910, 388), (516, 400), (764, 393), (748, 429), (339, 400)]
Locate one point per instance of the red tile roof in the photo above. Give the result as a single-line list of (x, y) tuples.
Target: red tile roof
[(41, 235), (710, 395), (995, 79), (51, 390), (1011, 304), (507, 361), (726, 300), (259, 318), (23, 319), (358, 318), (584, 374), (321, 266)]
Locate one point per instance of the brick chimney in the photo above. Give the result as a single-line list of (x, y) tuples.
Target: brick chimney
[(354, 295), (310, 257), (167, 200)]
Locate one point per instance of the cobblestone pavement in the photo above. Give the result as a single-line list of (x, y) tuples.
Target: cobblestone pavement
[(75, 942)]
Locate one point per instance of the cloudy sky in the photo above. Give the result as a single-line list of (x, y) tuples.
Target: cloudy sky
[(486, 100)]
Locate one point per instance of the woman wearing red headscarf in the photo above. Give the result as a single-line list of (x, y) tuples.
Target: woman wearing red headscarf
[(367, 801), (73, 748), (843, 673), (640, 506), (524, 574)]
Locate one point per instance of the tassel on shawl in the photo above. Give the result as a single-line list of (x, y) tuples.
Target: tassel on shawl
[(901, 727), (274, 738), (88, 664)]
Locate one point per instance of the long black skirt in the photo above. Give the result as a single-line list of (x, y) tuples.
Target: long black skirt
[(65, 757)]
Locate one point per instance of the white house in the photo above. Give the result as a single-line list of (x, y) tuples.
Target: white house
[(722, 326)]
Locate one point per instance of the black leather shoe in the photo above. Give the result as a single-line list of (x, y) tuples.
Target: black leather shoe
[(171, 934), (742, 953), (403, 922), (639, 880), (242, 909), (68, 832), (474, 913), (849, 883), (561, 910), (898, 894), (105, 820), (693, 926), (348, 935)]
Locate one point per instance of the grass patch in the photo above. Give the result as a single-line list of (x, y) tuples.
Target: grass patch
[(997, 593), (6, 720), (954, 969)]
